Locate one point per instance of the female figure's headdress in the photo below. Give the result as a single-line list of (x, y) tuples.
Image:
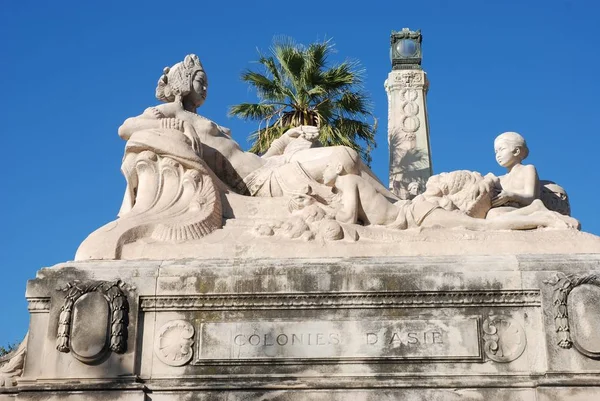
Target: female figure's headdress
[(177, 80)]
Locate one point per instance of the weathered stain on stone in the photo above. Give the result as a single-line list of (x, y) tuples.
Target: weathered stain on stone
[(89, 332), (584, 318)]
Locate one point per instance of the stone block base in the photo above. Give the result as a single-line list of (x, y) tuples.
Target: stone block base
[(374, 394), (473, 327)]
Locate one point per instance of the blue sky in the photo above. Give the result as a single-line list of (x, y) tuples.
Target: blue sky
[(73, 71)]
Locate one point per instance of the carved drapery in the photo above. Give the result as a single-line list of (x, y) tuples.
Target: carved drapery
[(170, 202), (11, 364)]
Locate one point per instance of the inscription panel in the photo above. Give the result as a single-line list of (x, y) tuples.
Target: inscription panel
[(338, 341)]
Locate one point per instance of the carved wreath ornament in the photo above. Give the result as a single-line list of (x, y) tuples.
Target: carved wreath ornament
[(563, 285), (119, 309)]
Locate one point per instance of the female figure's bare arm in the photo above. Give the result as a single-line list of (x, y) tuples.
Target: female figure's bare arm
[(147, 120), (155, 118)]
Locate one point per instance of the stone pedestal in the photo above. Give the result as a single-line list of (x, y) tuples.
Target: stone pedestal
[(408, 132), (471, 327)]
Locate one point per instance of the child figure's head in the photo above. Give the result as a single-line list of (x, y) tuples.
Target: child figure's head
[(510, 149)]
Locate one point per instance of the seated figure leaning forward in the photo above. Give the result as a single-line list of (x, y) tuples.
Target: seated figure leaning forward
[(335, 175), (358, 202), (180, 166), (174, 129)]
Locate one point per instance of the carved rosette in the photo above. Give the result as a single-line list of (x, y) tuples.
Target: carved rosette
[(504, 338), (80, 330), (173, 343), (563, 288)]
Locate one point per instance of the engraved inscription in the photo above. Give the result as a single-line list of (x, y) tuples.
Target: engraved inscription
[(450, 339)]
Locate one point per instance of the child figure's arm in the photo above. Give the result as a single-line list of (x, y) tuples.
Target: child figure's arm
[(525, 188)]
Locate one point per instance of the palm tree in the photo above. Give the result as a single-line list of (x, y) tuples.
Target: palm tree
[(298, 87)]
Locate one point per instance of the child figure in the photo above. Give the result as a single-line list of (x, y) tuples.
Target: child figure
[(359, 202), (520, 186)]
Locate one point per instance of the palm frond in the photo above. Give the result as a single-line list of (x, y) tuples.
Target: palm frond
[(271, 67), (298, 86), (315, 59), (253, 111), (265, 87), (351, 103), (262, 138), (338, 78)]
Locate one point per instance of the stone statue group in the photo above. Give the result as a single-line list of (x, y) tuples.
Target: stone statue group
[(180, 167)]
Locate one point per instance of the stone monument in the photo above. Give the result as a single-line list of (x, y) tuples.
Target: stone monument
[(408, 128), (296, 275)]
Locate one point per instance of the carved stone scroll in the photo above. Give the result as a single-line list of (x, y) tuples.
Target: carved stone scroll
[(116, 317), (165, 201), (173, 343), (504, 338)]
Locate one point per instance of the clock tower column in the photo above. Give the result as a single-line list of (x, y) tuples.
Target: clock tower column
[(408, 128)]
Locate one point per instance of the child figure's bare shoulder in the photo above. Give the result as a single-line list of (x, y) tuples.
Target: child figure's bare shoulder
[(518, 176)]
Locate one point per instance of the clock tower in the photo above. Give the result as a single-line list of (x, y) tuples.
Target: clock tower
[(408, 128)]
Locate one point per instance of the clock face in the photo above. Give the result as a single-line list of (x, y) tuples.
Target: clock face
[(407, 48)]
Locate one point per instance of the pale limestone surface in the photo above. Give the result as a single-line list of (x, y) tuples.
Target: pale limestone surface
[(179, 165), (240, 242), (189, 184), (319, 286), (11, 365), (408, 132), (415, 325)]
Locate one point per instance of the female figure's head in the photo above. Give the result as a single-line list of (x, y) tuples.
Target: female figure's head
[(184, 82), (510, 149)]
